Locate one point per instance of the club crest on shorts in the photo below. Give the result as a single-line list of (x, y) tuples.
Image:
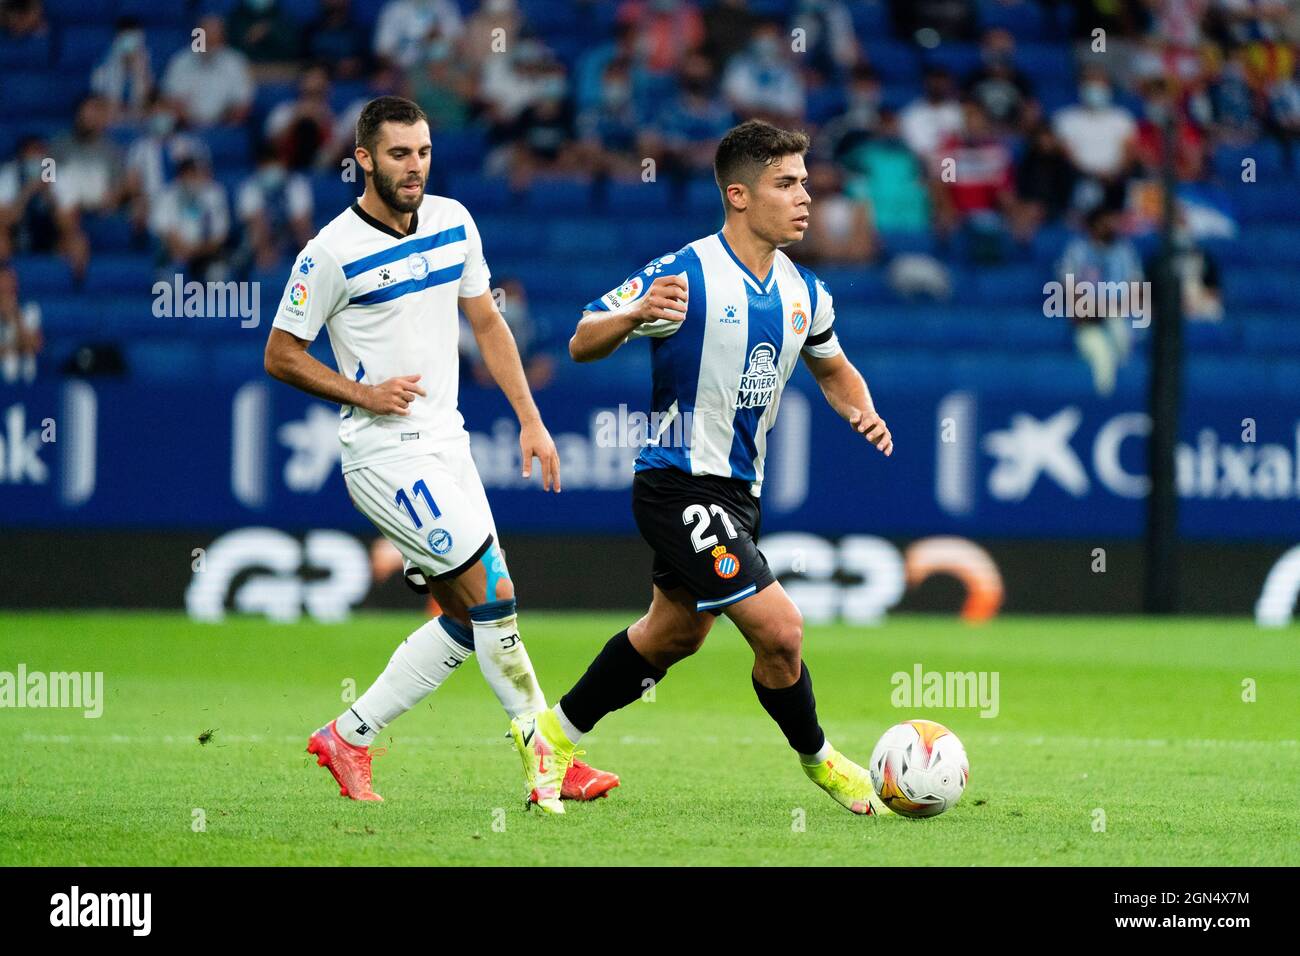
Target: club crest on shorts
[(725, 564), (439, 541)]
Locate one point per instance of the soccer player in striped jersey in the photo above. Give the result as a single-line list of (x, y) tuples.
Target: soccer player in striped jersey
[(728, 316), (387, 276)]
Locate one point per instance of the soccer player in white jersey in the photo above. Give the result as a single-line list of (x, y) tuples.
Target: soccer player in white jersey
[(728, 316), (387, 277)]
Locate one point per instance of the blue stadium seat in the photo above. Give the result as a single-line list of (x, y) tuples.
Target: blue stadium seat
[(481, 193), (29, 94), (229, 146), (558, 195), (42, 274), (120, 273), (896, 62), (82, 46), (154, 14), (64, 12), (959, 59), (1025, 20), (623, 199), (27, 53), (163, 43), (153, 361), (302, 12), (1267, 335)]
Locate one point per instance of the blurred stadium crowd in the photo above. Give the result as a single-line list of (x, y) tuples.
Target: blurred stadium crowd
[(965, 152)]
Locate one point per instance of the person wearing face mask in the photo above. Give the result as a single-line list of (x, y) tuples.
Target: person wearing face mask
[(191, 222), (27, 212), (125, 76), (936, 115), (1098, 135), (212, 86), (301, 127), (274, 206), (1103, 255), (264, 32), (406, 28), (691, 127), (667, 30), (610, 132), (762, 82), (998, 85), (861, 116), (152, 160)]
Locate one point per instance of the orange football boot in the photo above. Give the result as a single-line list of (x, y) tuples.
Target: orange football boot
[(349, 763), (584, 782)]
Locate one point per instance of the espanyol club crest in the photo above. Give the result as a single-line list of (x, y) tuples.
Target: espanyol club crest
[(439, 541), (758, 384), (725, 564), (418, 265), (798, 319)]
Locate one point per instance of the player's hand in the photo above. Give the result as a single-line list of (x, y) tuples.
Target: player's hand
[(872, 427), (666, 299), (535, 442), (394, 396)]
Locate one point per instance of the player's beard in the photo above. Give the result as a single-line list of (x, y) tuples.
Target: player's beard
[(386, 189)]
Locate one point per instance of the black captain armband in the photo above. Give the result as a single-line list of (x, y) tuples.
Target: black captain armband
[(821, 337)]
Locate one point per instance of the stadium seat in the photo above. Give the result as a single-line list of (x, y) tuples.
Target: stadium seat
[(42, 274), (26, 53), (120, 273)]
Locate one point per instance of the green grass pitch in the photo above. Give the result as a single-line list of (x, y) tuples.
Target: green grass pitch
[(1141, 721)]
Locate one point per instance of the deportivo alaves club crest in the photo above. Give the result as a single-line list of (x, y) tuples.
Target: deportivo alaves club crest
[(758, 384)]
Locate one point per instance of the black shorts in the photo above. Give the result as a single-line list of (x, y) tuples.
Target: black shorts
[(704, 532)]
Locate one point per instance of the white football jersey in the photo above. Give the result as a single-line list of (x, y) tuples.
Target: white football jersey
[(390, 303)]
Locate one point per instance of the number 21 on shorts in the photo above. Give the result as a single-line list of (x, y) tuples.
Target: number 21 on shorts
[(697, 515)]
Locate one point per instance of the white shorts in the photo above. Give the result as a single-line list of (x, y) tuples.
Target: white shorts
[(431, 506)]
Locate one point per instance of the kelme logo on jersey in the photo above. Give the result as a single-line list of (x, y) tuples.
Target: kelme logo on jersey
[(758, 384), (725, 564), (298, 294), (418, 265), (439, 541), (798, 319)]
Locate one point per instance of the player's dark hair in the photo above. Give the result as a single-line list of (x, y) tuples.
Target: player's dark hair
[(385, 109), (748, 148)]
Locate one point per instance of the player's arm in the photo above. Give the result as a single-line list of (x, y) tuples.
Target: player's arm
[(496, 344), (600, 333), (846, 391), (287, 359)]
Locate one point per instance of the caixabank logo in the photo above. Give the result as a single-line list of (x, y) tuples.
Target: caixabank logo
[(48, 442), (1005, 456)]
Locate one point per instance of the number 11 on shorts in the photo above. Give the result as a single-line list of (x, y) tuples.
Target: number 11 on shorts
[(420, 490)]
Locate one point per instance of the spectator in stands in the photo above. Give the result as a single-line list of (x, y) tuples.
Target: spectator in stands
[(125, 76), (493, 26), (1190, 145), (610, 132), (688, 131), (1283, 117), (152, 160), (930, 119), (264, 32), (977, 191), (589, 73), (840, 230), (1101, 256), (542, 136), (666, 30), (929, 21), (763, 81), (1045, 182), (386, 80), (29, 219), (335, 37), (831, 46), (861, 116), (884, 172), (445, 90), (409, 32), (20, 19), (212, 84), (1098, 135), (998, 85), (301, 128), (512, 82), (20, 331), (729, 25), (1198, 275), (191, 221), (539, 366), (275, 207), (1233, 102), (90, 178)]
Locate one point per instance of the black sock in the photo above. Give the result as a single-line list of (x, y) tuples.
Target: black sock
[(614, 679), (795, 711)]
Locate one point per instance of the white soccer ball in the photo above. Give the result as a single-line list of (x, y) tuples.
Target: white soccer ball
[(919, 768)]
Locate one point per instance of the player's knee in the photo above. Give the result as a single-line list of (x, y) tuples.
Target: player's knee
[(784, 640)]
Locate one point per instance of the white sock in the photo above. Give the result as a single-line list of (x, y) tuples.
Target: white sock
[(503, 659), (570, 731), (820, 756), (421, 663)]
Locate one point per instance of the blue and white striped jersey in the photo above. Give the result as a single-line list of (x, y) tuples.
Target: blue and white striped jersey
[(718, 374)]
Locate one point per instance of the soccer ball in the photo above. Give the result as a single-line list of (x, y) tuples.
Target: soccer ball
[(919, 768)]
